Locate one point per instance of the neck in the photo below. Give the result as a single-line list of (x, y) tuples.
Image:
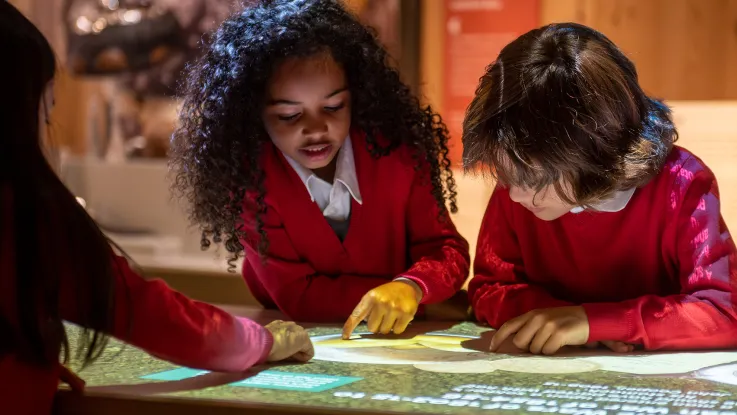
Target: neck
[(327, 173)]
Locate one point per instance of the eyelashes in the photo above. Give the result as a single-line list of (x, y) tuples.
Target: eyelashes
[(335, 108), (288, 117), (293, 117)]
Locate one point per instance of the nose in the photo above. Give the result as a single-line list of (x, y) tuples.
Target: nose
[(314, 126), (518, 194)]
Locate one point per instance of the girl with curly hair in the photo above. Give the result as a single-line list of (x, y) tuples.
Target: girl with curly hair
[(300, 146), (56, 264), (600, 229)]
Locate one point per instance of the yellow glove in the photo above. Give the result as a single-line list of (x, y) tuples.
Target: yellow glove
[(389, 307), (290, 342)]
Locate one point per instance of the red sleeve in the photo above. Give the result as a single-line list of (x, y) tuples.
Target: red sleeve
[(703, 315), (439, 254), (166, 324), (500, 290), (294, 286)]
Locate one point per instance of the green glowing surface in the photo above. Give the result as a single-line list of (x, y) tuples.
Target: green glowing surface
[(445, 372)]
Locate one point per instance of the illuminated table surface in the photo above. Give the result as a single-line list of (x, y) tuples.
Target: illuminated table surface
[(436, 368)]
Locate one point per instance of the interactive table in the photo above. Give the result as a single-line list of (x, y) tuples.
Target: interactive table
[(433, 368)]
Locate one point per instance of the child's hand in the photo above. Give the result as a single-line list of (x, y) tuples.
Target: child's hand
[(545, 331), (290, 342), (70, 378), (388, 307)]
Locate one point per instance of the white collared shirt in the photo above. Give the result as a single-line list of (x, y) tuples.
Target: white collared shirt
[(614, 204), (334, 199)]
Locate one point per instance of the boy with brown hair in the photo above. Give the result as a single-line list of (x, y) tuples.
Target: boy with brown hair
[(600, 229)]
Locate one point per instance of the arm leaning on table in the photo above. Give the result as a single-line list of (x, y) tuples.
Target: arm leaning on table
[(167, 324)]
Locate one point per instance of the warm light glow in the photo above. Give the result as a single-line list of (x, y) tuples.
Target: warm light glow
[(84, 25), (99, 25), (111, 4), (132, 16)]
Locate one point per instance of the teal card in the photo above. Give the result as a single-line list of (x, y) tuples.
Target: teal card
[(270, 379), (176, 374), (301, 382)]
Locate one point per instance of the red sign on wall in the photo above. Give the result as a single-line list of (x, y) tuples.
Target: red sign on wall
[(475, 33)]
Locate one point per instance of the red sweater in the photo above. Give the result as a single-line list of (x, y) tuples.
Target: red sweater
[(659, 273), (159, 320), (310, 275)]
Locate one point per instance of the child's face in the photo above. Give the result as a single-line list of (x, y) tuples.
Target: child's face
[(308, 110), (545, 204)]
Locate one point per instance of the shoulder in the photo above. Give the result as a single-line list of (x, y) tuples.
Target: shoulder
[(683, 169), (500, 203), (278, 176), (685, 178), (269, 159), (682, 163), (259, 207), (360, 142), (402, 160)]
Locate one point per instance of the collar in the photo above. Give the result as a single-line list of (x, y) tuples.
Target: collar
[(614, 204), (345, 172)]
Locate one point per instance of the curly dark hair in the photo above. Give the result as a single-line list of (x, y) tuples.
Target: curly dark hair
[(216, 149)]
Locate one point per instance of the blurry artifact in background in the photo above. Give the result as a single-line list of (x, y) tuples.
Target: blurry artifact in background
[(138, 49), (383, 16), (397, 26), (110, 37)]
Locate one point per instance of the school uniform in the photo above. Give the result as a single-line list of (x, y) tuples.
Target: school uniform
[(654, 266), (148, 315), (331, 243)]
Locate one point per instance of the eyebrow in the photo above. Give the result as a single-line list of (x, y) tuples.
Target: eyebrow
[(288, 102)]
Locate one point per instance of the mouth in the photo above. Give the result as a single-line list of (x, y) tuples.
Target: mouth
[(316, 152)]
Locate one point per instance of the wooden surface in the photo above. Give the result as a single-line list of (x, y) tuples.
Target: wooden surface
[(214, 287), (683, 49), (709, 130)]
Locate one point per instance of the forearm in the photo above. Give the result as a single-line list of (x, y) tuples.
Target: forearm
[(496, 303), (441, 272), (165, 323), (674, 322)]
